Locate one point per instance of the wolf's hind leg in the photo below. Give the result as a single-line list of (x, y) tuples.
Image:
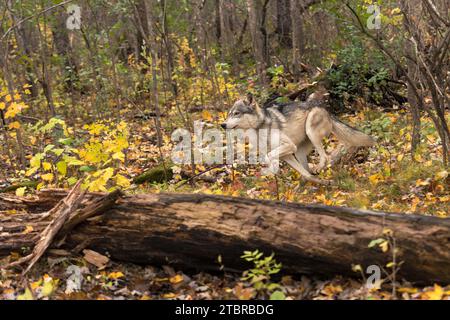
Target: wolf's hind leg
[(342, 153), (319, 126), (292, 161)]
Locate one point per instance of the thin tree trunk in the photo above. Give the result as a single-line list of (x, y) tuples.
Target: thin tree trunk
[(256, 12), (297, 37), (284, 24)]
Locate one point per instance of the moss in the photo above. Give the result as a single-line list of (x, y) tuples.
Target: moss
[(157, 174), (14, 187)]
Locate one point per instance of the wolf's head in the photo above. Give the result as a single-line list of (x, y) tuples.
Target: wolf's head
[(245, 114), (320, 95)]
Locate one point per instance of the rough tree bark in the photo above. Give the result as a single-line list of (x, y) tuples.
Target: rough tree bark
[(64, 48), (256, 13), (284, 24), (297, 36), (191, 230)]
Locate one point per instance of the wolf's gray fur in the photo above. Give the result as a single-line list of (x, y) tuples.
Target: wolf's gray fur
[(302, 125)]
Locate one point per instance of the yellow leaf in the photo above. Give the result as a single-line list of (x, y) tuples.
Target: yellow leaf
[(36, 161), (48, 287), (13, 109), (36, 284), (26, 295), (28, 229), (384, 246), (169, 295), (47, 177), (46, 165), (408, 290), (207, 116), (375, 178), (8, 98), (122, 181), (331, 290), (357, 268), (20, 191), (421, 183), (176, 279), (31, 171), (2, 106), (436, 294), (62, 167), (14, 125), (116, 275), (119, 156), (442, 175)]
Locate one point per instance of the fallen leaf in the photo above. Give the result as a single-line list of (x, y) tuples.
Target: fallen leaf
[(20, 192), (176, 279), (95, 258)]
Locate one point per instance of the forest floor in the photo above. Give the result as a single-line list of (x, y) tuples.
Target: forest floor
[(73, 278), (384, 178)]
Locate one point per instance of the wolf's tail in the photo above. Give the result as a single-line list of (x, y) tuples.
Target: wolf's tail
[(351, 136)]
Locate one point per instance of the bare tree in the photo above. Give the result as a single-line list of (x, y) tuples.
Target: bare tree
[(431, 59), (257, 15), (297, 36)]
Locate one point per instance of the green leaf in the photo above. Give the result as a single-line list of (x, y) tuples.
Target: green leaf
[(26, 295), (273, 286), (277, 295), (71, 181), (48, 148), (47, 288), (375, 242), (86, 169), (66, 141), (62, 167), (58, 152)]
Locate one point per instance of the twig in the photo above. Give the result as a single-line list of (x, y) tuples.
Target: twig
[(199, 174)]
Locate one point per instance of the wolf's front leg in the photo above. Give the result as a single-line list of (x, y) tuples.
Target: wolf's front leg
[(292, 161), (272, 159)]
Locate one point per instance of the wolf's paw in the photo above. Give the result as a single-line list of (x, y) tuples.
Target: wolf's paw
[(320, 181), (315, 170)]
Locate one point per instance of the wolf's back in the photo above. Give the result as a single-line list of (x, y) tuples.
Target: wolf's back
[(351, 136)]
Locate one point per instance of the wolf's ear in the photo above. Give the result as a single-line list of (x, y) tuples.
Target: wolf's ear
[(258, 109), (249, 99)]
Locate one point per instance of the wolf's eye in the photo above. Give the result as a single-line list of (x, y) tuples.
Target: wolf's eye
[(236, 113)]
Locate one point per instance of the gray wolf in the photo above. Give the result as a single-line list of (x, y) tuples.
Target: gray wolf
[(302, 127)]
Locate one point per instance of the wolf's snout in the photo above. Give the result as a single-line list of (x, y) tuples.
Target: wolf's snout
[(224, 125)]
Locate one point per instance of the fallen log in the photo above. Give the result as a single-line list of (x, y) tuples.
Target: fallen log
[(60, 213), (190, 231)]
